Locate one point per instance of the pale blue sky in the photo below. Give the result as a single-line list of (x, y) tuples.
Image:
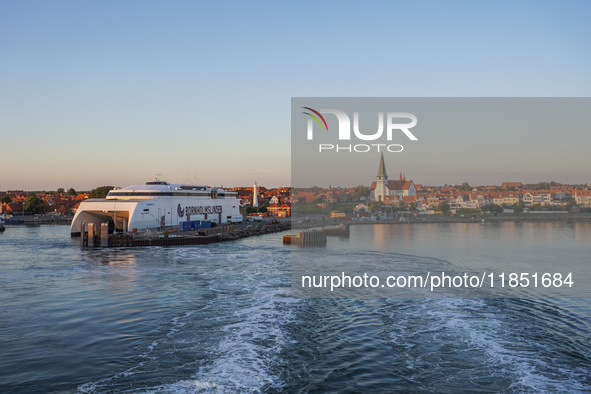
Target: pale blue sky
[(111, 92)]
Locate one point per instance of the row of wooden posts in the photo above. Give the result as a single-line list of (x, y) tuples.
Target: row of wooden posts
[(88, 235)]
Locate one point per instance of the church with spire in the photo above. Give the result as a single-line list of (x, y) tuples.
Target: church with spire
[(387, 191)]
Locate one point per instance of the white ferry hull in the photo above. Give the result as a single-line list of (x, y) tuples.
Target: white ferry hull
[(141, 214)]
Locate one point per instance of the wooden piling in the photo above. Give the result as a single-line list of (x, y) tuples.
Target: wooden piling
[(90, 236), (306, 238), (341, 231), (104, 235)]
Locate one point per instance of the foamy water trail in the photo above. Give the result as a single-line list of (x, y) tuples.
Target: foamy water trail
[(232, 342), (476, 340)]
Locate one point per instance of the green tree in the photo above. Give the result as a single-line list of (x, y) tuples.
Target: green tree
[(412, 206), (60, 190), (6, 199), (466, 211), (542, 186), (494, 209), (344, 207), (33, 203), (465, 187), (303, 209), (375, 206), (361, 191), (443, 207), (518, 208), (71, 192), (570, 199), (100, 192)]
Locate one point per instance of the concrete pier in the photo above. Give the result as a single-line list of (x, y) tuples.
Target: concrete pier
[(316, 237), (306, 238), (91, 238)]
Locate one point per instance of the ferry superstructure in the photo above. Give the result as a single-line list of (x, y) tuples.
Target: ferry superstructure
[(157, 204)]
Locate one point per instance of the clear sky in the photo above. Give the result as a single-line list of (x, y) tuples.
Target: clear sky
[(114, 92)]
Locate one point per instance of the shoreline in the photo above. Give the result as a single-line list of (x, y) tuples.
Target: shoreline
[(226, 233), (315, 220), (33, 220)]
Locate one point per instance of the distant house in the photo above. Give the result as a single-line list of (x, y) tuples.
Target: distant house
[(274, 200), (537, 197), (480, 199), (464, 201), (582, 197), (283, 210), (432, 202), (508, 198), (361, 208)]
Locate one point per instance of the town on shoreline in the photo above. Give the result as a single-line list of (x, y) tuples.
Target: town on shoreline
[(385, 198), (416, 203)]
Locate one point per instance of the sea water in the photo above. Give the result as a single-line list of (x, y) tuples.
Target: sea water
[(221, 317)]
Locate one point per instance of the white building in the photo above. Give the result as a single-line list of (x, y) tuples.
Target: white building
[(387, 191)]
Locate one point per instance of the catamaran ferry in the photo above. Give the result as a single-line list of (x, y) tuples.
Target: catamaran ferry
[(158, 204)]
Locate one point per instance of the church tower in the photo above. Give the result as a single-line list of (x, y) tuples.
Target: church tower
[(381, 181)]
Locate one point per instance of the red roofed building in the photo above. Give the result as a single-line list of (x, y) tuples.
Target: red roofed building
[(81, 196), (283, 210), (583, 197), (5, 208)]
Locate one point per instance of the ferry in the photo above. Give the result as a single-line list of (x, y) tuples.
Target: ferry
[(157, 205)]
